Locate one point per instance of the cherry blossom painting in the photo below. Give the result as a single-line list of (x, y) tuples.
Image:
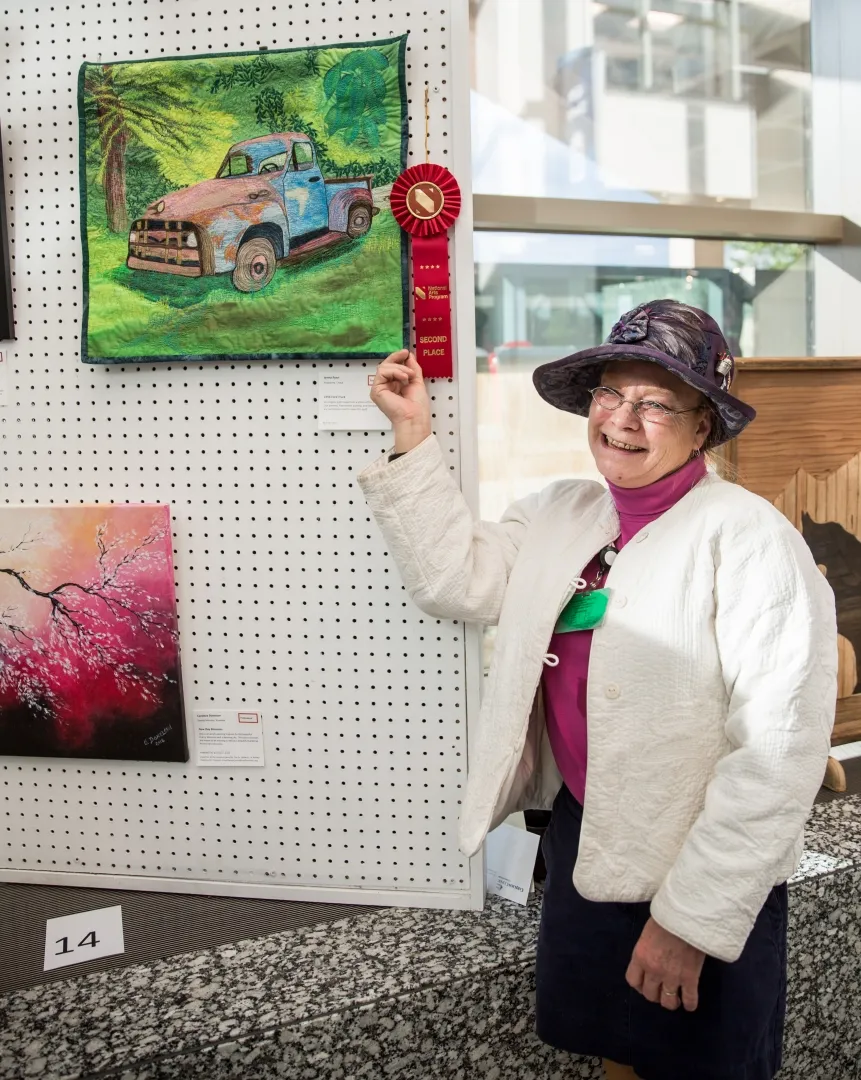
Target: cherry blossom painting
[(89, 654)]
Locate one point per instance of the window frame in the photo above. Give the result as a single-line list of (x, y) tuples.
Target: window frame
[(304, 166), (517, 213)]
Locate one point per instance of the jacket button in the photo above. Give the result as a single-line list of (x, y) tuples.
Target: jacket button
[(642, 536), (621, 601), (612, 691)]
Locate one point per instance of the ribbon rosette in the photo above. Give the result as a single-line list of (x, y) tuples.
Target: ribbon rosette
[(425, 202)]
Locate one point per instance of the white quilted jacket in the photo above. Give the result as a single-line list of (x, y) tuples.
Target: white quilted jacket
[(711, 693)]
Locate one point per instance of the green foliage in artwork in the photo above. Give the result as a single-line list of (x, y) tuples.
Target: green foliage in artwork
[(145, 181), (357, 90), (354, 89), (311, 64), (384, 170), (249, 73), (269, 110)]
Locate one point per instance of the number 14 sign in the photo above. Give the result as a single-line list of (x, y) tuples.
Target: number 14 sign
[(87, 935)]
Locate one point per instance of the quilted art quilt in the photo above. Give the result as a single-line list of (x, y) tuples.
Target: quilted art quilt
[(238, 205)]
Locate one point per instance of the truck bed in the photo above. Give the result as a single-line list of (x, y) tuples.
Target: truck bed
[(352, 181)]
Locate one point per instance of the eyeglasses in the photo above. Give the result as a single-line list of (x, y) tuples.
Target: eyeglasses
[(652, 411)]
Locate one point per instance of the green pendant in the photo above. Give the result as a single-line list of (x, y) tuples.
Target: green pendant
[(584, 611)]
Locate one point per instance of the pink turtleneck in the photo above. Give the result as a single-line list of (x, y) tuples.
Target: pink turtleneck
[(565, 685)]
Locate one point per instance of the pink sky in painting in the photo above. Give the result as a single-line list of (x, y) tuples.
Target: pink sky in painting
[(87, 615)]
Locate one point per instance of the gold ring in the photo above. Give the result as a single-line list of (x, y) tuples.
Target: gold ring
[(670, 993)]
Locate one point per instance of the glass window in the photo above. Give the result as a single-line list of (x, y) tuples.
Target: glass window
[(540, 296), (303, 156), (272, 164), (236, 165), (692, 101)]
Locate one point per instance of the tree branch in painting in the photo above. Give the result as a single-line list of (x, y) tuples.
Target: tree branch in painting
[(99, 639)]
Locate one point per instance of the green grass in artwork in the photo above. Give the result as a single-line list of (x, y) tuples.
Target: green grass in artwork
[(344, 299)]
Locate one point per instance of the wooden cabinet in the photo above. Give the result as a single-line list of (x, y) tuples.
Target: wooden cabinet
[(803, 454)]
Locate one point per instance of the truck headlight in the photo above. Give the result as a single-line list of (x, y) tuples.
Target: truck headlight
[(133, 237), (191, 241)]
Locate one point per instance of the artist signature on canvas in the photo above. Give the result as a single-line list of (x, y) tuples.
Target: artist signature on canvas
[(159, 737)]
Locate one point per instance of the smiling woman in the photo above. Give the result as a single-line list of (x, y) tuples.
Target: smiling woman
[(665, 425), (664, 678)]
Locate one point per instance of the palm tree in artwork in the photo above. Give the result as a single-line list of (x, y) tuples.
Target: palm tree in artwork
[(137, 103), (113, 139)]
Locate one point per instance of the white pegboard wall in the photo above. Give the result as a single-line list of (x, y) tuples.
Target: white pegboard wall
[(288, 601)]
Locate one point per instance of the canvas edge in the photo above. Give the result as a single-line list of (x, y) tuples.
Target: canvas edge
[(82, 184), (394, 39), (405, 139), (183, 712)]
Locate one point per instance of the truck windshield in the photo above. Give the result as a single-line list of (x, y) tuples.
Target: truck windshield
[(235, 165), (273, 164)]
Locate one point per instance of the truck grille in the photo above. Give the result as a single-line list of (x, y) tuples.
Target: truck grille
[(155, 240)]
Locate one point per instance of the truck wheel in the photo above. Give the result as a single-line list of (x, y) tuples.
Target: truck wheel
[(255, 265), (359, 221)]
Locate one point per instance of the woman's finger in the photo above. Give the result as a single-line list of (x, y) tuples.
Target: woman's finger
[(392, 372), (413, 365), (670, 998), (408, 366), (395, 381), (634, 975), (651, 988), (690, 994)]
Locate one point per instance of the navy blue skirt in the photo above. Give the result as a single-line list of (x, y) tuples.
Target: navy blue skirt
[(584, 1004)]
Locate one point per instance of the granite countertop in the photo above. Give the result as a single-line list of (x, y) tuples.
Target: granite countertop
[(834, 828), (118, 1018), (109, 1019)]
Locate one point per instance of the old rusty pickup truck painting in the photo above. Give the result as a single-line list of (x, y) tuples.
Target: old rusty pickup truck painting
[(238, 206), (268, 203)]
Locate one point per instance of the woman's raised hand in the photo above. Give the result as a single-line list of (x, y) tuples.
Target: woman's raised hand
[(399, 393)]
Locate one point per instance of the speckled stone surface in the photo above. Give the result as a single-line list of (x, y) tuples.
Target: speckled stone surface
[(823, 1033), (408, 995), (814, 864), (101, 1022), (834, 828)]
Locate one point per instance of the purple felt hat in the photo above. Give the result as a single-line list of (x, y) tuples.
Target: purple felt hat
[(682, 339)]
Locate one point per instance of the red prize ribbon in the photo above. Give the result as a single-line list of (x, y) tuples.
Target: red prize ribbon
[(425, 201)]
